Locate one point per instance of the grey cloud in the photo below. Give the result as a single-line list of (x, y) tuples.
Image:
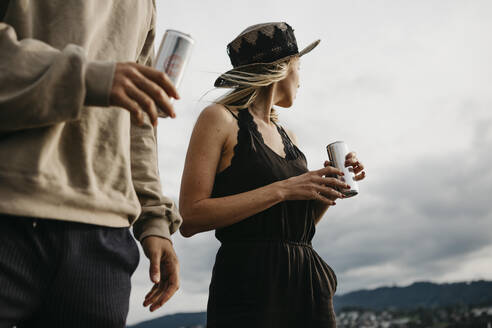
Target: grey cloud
[(423, 218)]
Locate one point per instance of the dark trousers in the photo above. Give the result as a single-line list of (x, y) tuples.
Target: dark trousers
[(64, 274)]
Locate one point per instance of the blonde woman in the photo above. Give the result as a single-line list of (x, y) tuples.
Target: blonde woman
[(245, 177)]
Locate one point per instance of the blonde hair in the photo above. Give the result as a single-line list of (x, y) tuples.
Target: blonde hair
[(248, 85)]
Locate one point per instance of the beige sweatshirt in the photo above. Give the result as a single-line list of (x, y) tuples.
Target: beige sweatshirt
[(64, 153)]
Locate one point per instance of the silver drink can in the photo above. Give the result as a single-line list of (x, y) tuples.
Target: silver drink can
[(337, 151), (173, 56)]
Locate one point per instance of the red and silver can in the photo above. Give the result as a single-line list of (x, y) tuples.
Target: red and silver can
[(337, 151), (173, 56)]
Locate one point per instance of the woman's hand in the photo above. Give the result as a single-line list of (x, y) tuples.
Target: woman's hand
[(318, 185), (351, 160)]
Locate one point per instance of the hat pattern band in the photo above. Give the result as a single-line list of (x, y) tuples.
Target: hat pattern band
[(264, 47)]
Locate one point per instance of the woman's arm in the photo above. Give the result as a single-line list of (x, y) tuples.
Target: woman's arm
[(202, 213)]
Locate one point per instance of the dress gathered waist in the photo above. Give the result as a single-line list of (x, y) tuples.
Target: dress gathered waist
[(272, 241)]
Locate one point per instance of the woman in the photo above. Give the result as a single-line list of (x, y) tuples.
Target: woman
[(245, 177)]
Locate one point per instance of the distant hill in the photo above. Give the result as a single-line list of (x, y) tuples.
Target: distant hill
[(419, 294)]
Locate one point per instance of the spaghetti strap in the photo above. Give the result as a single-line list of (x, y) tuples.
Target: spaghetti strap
[(230, 111), (289, 147)]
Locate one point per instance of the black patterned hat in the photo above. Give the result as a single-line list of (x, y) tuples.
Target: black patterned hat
[(260, 47)]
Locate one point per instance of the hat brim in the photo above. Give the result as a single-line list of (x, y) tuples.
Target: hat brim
[(223, 82)]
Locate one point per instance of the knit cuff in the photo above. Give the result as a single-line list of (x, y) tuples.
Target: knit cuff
[(98, 82)]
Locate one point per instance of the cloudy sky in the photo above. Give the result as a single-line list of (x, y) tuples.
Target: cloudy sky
[(407, 84)]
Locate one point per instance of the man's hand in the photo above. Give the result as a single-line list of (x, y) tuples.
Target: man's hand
[(139, 89), (164, 271)]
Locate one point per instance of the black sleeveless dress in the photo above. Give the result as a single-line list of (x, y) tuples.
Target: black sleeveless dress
[(266, 273)]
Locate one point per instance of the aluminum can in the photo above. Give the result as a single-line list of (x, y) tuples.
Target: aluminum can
[(173, 57), (337, 151)]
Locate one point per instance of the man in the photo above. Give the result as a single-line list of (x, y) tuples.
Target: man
[(78, 162)]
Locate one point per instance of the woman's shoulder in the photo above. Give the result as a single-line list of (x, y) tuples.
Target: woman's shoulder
[(216, 114), (215, 120)]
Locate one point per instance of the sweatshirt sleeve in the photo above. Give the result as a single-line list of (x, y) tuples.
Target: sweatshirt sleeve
[(159, 216), (41, 85)]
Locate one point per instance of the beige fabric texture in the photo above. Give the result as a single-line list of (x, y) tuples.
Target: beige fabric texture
[(64, 152)]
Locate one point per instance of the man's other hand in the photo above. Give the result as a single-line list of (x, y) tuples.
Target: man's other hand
[(164, 271)]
